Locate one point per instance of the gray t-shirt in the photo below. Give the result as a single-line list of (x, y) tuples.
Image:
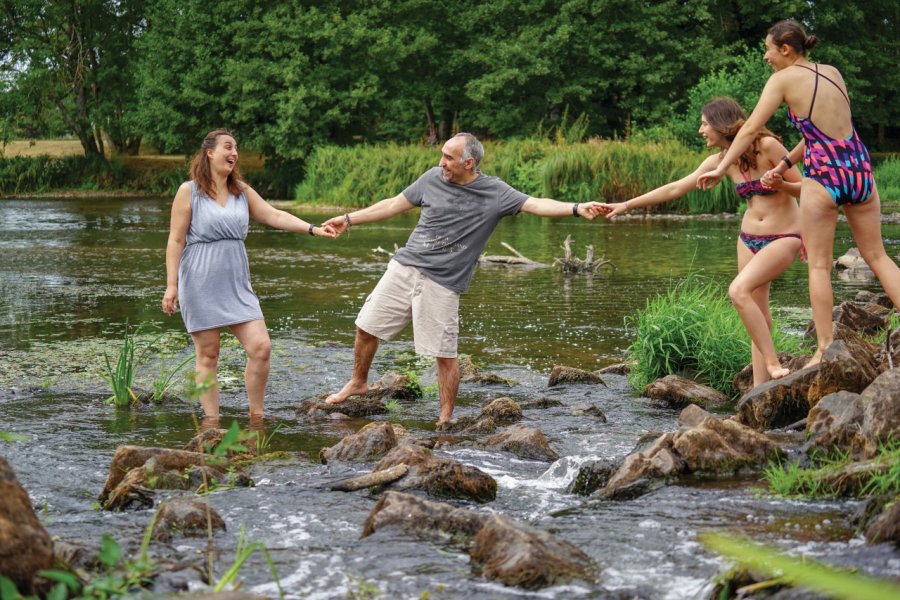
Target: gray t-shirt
[(455, 225)]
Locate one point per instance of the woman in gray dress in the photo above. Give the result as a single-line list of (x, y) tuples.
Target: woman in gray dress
[(207, 272)]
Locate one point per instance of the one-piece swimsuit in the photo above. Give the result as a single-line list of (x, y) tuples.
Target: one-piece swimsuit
[(842, 166)]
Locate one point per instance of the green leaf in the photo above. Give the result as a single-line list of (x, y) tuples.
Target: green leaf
[(110, 551)]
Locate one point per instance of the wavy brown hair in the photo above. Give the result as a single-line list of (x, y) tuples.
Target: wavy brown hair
[(202, 173), (727, 117), (791, 32)]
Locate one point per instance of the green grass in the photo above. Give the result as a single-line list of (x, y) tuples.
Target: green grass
[(887, 178), (694, 331), (791, 481), (607, 170), (800, 571)]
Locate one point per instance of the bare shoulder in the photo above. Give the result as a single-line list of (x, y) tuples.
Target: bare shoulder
[(770, 146)]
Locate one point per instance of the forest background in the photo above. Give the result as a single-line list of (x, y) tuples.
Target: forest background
[(292, 77)]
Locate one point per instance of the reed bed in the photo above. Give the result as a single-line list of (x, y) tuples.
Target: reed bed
[(607, 170)]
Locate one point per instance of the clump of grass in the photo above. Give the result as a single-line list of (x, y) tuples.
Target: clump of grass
[(121, 378), (693, 330), (790, 480), (887, 176)]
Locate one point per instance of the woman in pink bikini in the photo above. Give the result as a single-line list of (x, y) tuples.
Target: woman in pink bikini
[(837, 167), (770, 232)]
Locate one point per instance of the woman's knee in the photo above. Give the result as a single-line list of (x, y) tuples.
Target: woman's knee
[(207, 356), (260, 349), (739, 293)]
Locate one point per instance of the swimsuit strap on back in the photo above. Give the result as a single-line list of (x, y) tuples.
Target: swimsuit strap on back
[(816, 87)]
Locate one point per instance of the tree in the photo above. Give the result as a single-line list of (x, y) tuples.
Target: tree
[(75, 55)]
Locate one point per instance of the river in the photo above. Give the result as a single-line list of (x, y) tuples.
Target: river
[(73, 271)]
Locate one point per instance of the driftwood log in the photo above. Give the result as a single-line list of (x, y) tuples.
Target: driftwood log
[(573, 264), (519, 260)]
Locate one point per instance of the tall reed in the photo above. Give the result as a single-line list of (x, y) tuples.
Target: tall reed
[(610, 170)]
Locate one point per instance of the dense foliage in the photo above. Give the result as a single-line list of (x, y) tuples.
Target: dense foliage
[(288, 77)]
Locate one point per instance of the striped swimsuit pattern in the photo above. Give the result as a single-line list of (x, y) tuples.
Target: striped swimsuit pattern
[(842, 166)]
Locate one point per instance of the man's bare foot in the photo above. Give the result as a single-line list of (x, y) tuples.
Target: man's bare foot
[(350, 389)]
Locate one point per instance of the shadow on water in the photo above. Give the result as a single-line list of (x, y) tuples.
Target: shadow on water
[(73, 271)]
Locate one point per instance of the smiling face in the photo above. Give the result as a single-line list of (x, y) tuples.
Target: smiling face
[(777, 56), (456, 170), (714, 139), (223, 158)]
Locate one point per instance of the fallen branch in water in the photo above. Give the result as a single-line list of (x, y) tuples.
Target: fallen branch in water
[(519, 260)]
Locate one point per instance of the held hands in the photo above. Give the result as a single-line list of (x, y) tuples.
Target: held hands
[(710, 179), (772, 179), (611, 211), (325, 231), (170, 300), (337, 224), (590, 210)]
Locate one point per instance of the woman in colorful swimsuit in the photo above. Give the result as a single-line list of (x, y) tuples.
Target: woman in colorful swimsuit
[(837, 167), (770, 233)]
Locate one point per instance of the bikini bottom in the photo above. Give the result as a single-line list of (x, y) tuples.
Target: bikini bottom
[(755, 242)]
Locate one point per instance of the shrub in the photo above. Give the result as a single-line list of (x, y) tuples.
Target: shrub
[(693, 331)]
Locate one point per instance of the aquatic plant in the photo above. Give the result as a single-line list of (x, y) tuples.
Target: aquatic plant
[(887, 174), (800, 571), (693, 330), (5, 436), (392, 406), (165, 380), (791, 480), (260, 441), (243, 551), (121, 378)]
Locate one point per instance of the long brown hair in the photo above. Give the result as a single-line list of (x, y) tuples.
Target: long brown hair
[(726, 116), (791, 32), (202, 173)]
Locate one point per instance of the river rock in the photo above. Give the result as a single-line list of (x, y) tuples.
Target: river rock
[(675, 391), (467, 425), (852, 265), (588, 410), (868, 297), (779, 402), (25, 546), (851, 479), (866, 319), (135, 471), (592, 475), (889, 354), (848, 364), (519, 555), (710, 445), (622, 368), (836, 423), (644, 471), (886, 527), (207, 440), (502, 410), (369, 443), (441, 477), (881, 420), (468, 373), (561, 375), (743, 381), (522, 441), (424, 518), (188, 517), (354, 407)]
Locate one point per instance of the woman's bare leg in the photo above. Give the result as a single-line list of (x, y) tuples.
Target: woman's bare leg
[(818, 219), (254, 337), (206, 347), (865, 223), (749, 293)]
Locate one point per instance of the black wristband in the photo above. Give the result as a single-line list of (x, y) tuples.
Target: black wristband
[(575, 210), (787, 161), (311, 232)]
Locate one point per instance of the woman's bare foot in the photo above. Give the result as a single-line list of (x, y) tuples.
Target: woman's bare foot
[(350, 389), (816, 359), (778, 372)]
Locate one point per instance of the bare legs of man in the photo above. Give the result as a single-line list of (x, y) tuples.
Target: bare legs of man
[(364, 348)]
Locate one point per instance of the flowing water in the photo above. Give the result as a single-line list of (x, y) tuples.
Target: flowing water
[(73, 271)]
